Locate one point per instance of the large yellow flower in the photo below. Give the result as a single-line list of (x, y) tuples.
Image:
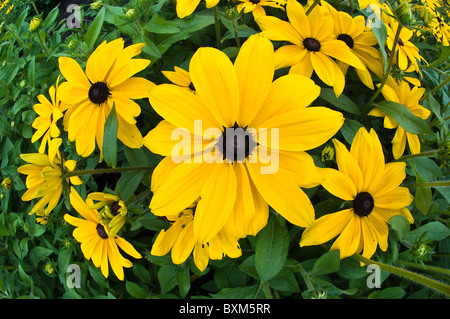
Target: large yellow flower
[(373, 187), (313, 44), (49, 112), (402, 93), (45, 180), (263, 160), (108, 81), (96, 243), (180, 239), (360, 40)]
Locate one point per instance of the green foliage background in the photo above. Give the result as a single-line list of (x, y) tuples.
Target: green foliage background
[(34, 257)]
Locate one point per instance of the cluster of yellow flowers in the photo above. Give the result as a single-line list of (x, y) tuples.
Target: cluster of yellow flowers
[(212, 205)]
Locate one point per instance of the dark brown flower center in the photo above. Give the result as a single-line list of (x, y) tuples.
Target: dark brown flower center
[(311, 44), (115, 208), (347, 39), (101, 231), (191, 86), (255, 1), (98, 93), (363, 204), (236, 143)]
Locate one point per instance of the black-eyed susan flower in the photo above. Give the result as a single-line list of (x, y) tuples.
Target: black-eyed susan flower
[(49, 112), (352, 31), (248, 136), (112, 210), (90, 97), (185, 8), (402, 93), (406, 53), (373, 188), (45, 180), (180, 77), (180, 240), (313, 45), (96, 243), (256, 7)]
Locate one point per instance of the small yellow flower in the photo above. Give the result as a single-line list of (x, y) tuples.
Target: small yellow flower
[(49, 268), (34, 24), (7, 183), (42, 217), (256, 6), (180, 77), (181, 240), (373, 187), (113, 211), (96, 243)]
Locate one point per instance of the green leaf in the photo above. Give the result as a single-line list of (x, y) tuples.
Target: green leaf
[(167, 277), (349, 129), (423, 198), (136, 291), (248, 292), (271, 250), (400, 224), (26, 279), (403, 116), (183, 280), (342, 102), (326, 264), (110, 138), (157, 24), (431, 231), (94, 29), (380, 32), (388, 293), (445, 53)]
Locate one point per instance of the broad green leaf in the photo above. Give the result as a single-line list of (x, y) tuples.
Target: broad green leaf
[(183, 280), (342, 102), (431, 231), (400, 224), (109, 148), (248, 292), (380, 32), (403, 116), (136, 291), (423, 199), (349, 129), (327, 263), (271, 250), (94, 29), (167, 277), (445, 54)]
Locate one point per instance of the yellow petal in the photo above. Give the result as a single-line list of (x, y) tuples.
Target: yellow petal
[(393, 175), (348, 165), (72, 72), (338, 184), (216, 84), (349, 240), (255, 69), (218, 197), (278, 30), (186, 7), (397, 198)]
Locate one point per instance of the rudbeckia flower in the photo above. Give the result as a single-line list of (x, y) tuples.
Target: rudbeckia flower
[(49, 112), (180, 77), (353, 32), (113, 210), (256, 7), (108, 81), (406, 52), (186, 7), (313, 45), (45, 180), (373, 188), (402, 93), (96, 243), (262, 162), (180, 239)]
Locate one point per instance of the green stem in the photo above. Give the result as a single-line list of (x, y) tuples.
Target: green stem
[(438, 270), (386, 75), (217, 26), (412, 276), (429, 184), (305, 276), (236, 37), (315, 3), (34, 6), (267, 291), (108, 170), (443, 83), (18, 39), (423, 154)]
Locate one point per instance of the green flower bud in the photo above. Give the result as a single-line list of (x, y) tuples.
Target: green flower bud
[(7, 183), (96, 5), (131, 14), (34, 24), (404, 13), (327, 154)]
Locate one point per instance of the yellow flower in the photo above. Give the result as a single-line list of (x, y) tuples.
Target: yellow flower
[(113, 211), (264, 164), (7, 183), (184, 8), (360, 40), (96, 243), (49, 112), (108, 81), (373, 187), (34, 24), (440, 29), (181, 240), (256, 6), (180, 77), (402, 93), (42, 217), (406, 52), (45, 180), (312, 47)]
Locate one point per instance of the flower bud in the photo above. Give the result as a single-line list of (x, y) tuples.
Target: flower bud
[(7, 183), (404, 13), (34, 24), (131, 14), (96, 5), (327, 153)]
